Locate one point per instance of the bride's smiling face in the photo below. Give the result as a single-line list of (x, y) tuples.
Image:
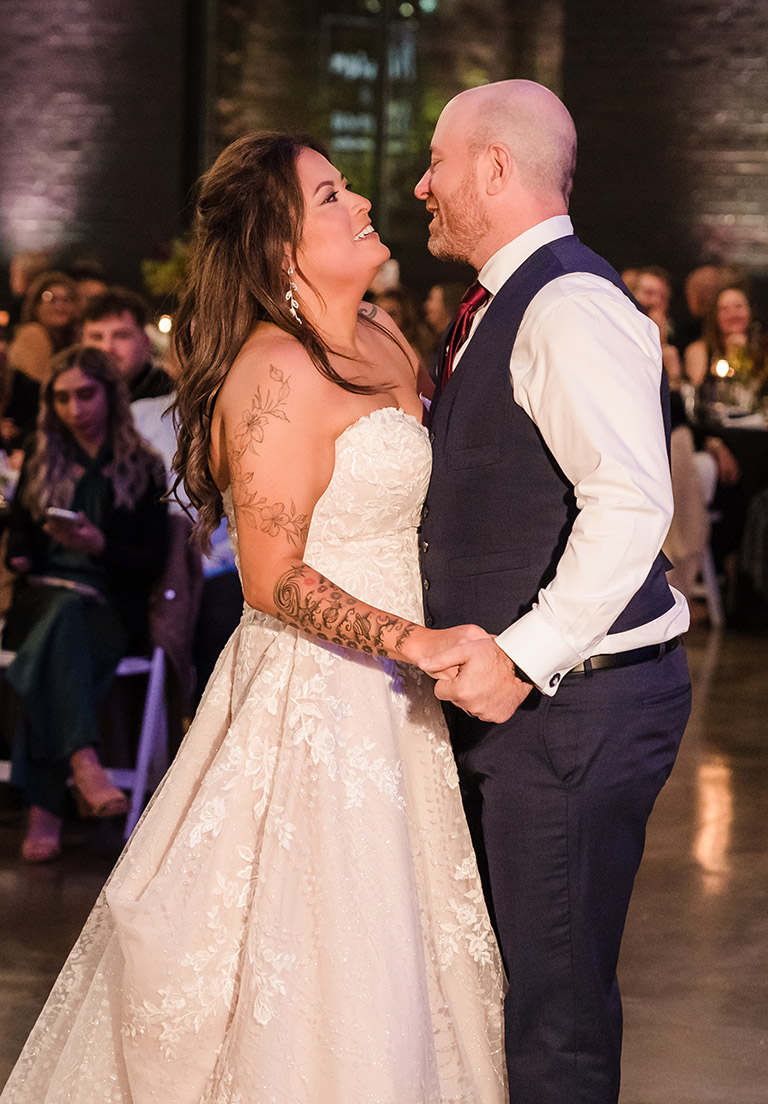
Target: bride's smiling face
[(338, 242)]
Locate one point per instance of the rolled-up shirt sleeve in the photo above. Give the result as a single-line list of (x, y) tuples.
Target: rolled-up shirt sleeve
[(586, 368)]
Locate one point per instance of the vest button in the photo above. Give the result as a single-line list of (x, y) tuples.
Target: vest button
[(554, 681), (432, 436), (429, 621), (425, 584), (425, 546), (425, 510)]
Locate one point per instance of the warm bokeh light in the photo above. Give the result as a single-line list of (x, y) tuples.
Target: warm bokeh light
[(723, 369), (711, 847), (164, 323)]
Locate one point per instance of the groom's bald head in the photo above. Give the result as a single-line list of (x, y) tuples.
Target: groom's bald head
[(530, 120), (502, 161)]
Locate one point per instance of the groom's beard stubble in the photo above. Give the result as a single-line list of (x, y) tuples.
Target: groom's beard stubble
[(458, 226)]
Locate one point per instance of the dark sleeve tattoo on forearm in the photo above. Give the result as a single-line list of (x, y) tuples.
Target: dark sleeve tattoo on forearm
[(276, 517), (311, 602)]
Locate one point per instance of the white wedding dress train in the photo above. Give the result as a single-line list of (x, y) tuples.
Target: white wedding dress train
[(298, 917)]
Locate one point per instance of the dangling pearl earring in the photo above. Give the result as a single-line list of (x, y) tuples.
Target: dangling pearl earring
[(291, 294)]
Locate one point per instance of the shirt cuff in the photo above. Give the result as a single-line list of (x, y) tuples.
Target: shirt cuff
[(534, 645)]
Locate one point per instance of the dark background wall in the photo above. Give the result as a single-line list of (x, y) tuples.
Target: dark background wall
[(91, 140), (111, 108), (670, 99)]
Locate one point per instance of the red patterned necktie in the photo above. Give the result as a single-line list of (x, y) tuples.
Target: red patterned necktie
[(474, 298)]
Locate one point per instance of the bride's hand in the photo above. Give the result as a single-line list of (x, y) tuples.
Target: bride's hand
[(430, 642)]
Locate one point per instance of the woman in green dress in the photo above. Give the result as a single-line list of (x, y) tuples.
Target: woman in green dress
[(86, 540)]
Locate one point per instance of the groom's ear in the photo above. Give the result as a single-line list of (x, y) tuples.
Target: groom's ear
[(499, 167)]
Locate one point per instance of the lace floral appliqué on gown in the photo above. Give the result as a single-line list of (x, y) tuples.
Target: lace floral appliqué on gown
[(298, 917)]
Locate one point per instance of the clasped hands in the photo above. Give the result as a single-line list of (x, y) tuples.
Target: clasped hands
[(473, 672)]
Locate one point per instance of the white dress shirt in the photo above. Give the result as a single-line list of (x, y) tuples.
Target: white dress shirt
[(586, 368)]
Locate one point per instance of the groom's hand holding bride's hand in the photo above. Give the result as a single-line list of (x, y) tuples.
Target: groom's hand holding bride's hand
[(478, 677), (438, 642)]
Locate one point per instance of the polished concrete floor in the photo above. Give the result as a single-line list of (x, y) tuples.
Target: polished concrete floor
[(694, 968)]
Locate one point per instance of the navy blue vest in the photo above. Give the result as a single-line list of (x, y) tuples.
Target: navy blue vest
[(499, 510)]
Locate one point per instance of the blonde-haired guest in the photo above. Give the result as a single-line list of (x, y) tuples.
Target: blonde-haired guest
[(48, 324)]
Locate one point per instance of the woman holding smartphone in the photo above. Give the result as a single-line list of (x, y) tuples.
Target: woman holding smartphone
[(86, 540)]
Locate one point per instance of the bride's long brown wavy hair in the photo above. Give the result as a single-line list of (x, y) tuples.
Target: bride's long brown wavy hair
[(250, 207)]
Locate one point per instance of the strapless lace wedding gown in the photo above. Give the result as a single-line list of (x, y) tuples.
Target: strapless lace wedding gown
[(298, 917)]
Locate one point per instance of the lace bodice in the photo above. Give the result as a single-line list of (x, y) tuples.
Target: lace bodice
[(364, 527)]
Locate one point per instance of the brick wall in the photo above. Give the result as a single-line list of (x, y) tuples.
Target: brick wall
[(670, 99), (90, 144)]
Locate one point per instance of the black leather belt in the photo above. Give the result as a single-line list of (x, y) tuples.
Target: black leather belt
[(626, 659)]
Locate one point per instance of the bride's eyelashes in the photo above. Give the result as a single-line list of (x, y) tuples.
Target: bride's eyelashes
[(332, 196)]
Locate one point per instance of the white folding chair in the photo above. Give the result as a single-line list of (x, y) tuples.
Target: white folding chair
[(152, 750), (706, 468)]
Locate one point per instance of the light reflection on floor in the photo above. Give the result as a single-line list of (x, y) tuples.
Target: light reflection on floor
[(694, 968)]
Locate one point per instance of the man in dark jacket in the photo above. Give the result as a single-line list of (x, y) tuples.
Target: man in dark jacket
[(115, 322)]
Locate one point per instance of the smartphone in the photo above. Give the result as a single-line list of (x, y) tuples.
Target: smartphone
[(61, 515)]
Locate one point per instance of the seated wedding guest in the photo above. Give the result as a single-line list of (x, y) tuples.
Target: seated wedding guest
[(115, 322), (174, 612), (90, 280), (86, 538), (48, 323), (701, 287), (23, 269), (207, 601), (441, 305), (19, 400), (729, 334), (652, 289), (686, 541), (438, 310)]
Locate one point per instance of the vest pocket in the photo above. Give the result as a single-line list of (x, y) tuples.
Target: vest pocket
[(476, 456), (488, 563)]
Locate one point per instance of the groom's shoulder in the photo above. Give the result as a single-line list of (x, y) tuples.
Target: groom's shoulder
[(572, 285), (576, 299)]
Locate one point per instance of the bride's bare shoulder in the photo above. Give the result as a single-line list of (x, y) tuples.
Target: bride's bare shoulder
[(269, 361)]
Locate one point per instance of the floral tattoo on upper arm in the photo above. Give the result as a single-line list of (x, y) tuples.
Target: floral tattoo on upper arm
[(250, 432), (272, 518)]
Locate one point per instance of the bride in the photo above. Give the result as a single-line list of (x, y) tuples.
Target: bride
[(298, 917)]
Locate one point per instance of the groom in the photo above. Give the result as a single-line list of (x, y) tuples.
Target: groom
[(549, 501)]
